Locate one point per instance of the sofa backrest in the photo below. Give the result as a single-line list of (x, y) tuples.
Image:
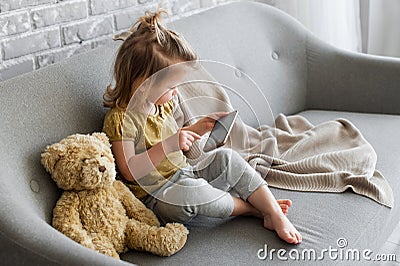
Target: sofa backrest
[(267, 46), (42, 107)]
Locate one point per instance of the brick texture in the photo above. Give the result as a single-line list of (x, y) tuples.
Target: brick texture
[(104, 6), (48, 58), (182, 6), (127, 17), (31, 43), (14, 23), (7, 5), (87, 30), (38, 33), (17, 68), (56, 14)]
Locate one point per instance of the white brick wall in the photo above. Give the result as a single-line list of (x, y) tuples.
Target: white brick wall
[(37, 33)]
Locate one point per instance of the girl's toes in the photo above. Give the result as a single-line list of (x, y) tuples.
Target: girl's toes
[(285, 209), (299, 237), (293, 235), (288, 202), (289, 237), (285, 202), (284, 206)]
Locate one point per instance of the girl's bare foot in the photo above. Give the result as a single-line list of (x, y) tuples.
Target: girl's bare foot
[(274, 218), (283, 227)]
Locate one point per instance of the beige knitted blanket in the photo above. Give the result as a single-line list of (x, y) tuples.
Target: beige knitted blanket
[(294, 154)]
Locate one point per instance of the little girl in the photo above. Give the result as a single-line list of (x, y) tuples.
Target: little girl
[(153, 164)]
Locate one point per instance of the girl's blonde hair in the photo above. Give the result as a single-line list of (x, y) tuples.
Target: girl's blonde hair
[(149, 48)]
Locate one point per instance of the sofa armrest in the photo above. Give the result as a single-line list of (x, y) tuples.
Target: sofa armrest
[(347, 81), (21, 228)]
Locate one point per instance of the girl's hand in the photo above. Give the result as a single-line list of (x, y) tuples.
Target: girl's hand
[(206, 123), (182, 140), (186, 139)]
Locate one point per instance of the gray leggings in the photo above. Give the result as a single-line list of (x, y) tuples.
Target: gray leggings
[(203, 189)]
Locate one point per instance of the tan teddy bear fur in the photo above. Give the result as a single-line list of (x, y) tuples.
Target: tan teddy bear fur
[(97, 211)]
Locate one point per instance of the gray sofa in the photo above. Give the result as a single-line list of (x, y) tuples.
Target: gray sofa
[(298, 73)]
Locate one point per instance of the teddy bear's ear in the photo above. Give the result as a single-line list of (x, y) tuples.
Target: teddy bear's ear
[(52, 155), (103, 137)]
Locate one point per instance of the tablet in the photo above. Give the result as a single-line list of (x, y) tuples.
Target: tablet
[(220, 132)]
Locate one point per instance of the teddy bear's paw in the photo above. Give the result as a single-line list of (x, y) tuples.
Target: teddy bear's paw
[(177, 228), (162, 241), (174, 238)]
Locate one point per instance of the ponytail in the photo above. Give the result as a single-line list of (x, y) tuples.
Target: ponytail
[(153, 22), (149, 23)]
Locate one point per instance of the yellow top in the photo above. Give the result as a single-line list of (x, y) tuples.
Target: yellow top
[(128, 126)]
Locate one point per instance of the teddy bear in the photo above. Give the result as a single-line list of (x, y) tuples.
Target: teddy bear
[(98, 211)]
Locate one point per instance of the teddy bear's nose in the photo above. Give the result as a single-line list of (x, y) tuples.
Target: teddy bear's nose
[(102, 168)]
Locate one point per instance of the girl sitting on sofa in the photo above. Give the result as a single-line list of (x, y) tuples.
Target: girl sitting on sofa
[(148, 148)]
